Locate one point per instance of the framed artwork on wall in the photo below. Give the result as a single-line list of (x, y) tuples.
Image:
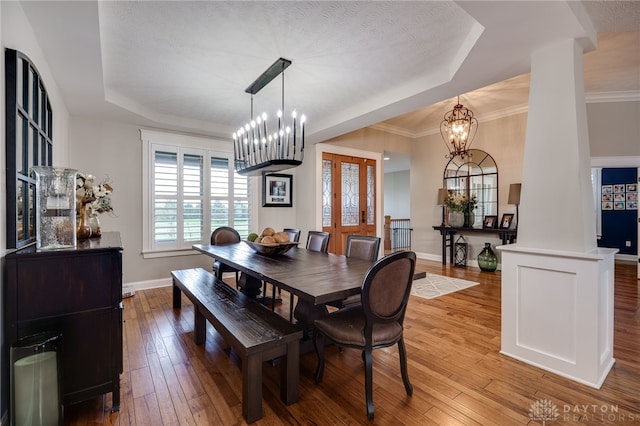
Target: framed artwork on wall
[(277, 190)]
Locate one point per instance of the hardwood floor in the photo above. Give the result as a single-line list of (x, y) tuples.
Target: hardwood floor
[(453, 343)]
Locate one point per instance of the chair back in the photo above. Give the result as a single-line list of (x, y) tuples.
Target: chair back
[(386, 288), (224, 235), (363, 247), (318, 241), (294, 234)]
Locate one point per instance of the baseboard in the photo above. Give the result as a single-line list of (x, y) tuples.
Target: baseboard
[(146, 285), (627, 257), (132, 287)]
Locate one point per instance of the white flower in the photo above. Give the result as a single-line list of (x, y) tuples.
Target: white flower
[(96, 197)]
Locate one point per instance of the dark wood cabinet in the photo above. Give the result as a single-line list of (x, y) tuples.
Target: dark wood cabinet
[(77, 293)]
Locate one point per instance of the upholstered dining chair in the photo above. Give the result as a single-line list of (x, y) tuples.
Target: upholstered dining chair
[(376, 323), (318, 241), (219, 237), (294, 237), (363, 247), (294, 234)]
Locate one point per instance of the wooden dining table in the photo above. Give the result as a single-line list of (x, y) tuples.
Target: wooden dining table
[(315, 278)]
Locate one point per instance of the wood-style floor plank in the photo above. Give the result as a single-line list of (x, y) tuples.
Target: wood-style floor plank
[(455, 366)]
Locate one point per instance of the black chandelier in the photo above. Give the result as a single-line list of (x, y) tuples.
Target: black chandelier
[(256, 148), (458, 129)]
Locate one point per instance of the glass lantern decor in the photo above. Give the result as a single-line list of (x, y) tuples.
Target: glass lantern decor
[(55, 208)]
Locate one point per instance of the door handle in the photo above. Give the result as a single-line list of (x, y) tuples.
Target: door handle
[(363, 220)]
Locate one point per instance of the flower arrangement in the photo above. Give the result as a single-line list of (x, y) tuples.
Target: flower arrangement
[(458, 202), (97, 197)]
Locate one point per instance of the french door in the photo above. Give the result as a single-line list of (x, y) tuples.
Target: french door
[(348, 198)]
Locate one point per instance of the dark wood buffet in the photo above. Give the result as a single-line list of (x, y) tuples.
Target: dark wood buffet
[(77, 293)]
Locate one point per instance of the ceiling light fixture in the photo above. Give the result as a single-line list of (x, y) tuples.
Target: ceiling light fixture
[(256, 149), (458, 129)]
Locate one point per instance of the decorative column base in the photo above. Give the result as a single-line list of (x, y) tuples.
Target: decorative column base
[(557, 311)]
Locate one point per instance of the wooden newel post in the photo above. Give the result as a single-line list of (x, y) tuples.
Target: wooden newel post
[(387, 233)]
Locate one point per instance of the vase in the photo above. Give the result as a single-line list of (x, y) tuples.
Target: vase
[(83, 231), (469, 219), (456, 219), (487, 259), (94, 224), (55, 208)]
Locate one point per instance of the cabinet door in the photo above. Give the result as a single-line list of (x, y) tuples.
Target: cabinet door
[(90, 357)]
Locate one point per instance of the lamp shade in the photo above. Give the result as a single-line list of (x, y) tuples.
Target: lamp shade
[(442, 195), (514, 193)]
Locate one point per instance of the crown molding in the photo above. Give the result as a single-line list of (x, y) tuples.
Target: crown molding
[(590, 98)]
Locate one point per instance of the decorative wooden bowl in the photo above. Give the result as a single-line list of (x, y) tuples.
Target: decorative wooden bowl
[(271, 249)]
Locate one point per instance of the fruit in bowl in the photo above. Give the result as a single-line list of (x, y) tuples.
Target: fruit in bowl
[(270, 242), (270, 236)]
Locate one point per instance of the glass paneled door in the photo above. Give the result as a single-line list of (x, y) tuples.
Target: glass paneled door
[(348, 198)]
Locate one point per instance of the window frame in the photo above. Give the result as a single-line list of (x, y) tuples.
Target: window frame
[(184, 144)]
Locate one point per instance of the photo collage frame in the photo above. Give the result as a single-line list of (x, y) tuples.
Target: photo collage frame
[(620, 197)]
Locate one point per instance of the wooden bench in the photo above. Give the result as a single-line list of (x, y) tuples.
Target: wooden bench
[(255, 333)]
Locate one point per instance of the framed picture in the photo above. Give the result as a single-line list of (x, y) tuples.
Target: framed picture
[(607, 189), (618, 196), (489, 222), (618, 188), (607, 205), (277, 190), (632, 187), (632, 205), (507, 218), (618, 205)]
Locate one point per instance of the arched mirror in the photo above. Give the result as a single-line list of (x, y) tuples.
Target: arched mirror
[(475, 174)]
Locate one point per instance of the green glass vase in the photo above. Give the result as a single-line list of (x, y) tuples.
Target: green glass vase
[(487, 259)]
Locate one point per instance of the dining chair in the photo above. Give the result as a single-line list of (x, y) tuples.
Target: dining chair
[(318, 241), (294, 234), (363, 247), (294, 237), (376, 323), (219, 237)]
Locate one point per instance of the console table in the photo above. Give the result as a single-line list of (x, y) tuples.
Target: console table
[(507, 235)]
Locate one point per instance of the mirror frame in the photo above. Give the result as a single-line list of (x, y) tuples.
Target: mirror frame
[(461, 173), (28, 143)]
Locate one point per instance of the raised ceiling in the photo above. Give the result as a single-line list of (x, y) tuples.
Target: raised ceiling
[(398, 65)]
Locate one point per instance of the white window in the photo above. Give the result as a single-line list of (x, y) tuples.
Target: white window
[(191, 189)]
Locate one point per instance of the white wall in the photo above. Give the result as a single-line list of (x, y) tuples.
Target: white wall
[(397, 195)]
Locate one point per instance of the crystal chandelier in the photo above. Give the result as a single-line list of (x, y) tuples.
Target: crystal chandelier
[(458, 129), (258, 149)]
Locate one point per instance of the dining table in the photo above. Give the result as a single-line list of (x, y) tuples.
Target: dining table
[(315, 278)]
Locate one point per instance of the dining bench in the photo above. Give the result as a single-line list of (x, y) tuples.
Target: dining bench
[(255, 333)]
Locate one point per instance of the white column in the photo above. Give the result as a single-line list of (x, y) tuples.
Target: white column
[(557, 286), (556, 202)]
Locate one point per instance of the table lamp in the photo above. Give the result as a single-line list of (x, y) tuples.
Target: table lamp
[(514, 197), (442, 195)]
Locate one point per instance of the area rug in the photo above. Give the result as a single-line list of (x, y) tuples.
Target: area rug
[(433, 286)]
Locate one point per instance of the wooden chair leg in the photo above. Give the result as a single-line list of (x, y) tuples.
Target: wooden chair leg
[(368, 381), (318, 344), (403, 367)]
